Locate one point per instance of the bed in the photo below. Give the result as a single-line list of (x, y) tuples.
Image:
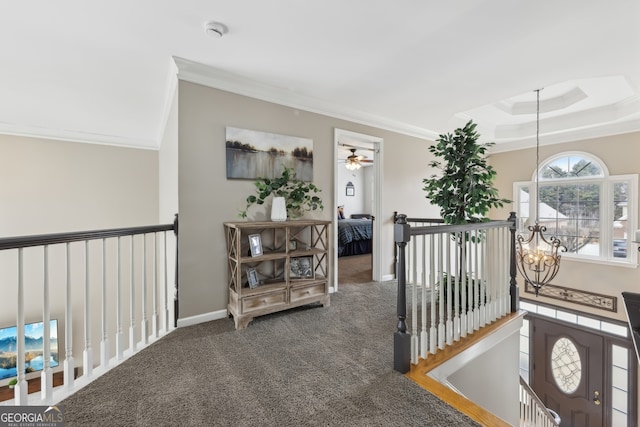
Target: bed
[(354, 235)]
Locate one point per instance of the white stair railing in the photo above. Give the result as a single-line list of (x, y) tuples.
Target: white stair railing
[(460, 277), (89, 276), (533, 412)]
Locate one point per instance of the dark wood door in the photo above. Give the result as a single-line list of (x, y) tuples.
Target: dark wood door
[(568, 372)]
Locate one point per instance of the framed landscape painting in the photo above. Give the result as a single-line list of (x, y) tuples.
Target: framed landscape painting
[(252, 154)]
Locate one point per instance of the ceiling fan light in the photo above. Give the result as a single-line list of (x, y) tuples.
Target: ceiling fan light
[(352, 165)]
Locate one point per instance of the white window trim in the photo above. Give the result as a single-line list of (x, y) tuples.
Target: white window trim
[(551, 159), (607, 193)]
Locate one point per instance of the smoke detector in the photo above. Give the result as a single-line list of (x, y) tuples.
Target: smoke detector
[(215, 29)]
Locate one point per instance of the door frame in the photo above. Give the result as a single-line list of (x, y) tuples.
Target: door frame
[(342, 136)]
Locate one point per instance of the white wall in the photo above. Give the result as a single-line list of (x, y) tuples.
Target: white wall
[(487, 373), (352, 204)]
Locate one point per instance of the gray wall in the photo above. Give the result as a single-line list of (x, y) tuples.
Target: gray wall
[(50, 186), (207, 198)]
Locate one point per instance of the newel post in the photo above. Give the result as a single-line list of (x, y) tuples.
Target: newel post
[(176, 305), (401, 339), (513, 288)]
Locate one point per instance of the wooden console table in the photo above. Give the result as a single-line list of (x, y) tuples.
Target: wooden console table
[(289, 268)]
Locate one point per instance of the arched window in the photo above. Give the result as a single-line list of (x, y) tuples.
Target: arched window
[(591, 212)]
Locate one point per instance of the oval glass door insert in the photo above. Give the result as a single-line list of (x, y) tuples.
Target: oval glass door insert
[(566, 365)]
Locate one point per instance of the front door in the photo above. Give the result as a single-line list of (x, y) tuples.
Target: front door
[(568, 372)]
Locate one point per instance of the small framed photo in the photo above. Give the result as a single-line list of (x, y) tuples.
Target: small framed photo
[(301, 267), (255, 244), (252, 278), (293, 244), (351, 191)]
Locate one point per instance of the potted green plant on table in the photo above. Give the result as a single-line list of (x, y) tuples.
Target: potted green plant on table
[(464, 188), (296, 196)]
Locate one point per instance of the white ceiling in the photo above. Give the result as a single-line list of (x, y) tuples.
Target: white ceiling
[(103, 71)]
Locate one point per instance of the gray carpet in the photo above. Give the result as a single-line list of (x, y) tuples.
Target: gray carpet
[(311, 366)]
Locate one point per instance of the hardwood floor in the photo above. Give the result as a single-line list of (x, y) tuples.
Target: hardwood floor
[(418, 373), (354, 269)]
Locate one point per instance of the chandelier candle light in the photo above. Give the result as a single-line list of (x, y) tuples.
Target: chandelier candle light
[(537, 258)]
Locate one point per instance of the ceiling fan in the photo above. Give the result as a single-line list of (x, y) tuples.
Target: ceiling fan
[(354, 162)]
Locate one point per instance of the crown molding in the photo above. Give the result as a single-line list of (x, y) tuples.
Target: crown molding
[(584, 133), (205, 75), (77, 136)]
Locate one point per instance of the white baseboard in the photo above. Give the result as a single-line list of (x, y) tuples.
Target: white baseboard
[(201, 318), (388, 277)]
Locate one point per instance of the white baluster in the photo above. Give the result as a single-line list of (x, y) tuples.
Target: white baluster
[(104, 343), (119, 331), (69, 365), (154, 282), (434, 293), (456, 292), (87, 355), (504, 281), (497, 265), (423, 319), (132, 326), (449, 295), (415, 344), (414, 264), (144, 327), (463, 286), (468, 276), (476, 282), (166, 286), (441, 326), (46, 377), (483, 278), (21, 393), (493, 282)]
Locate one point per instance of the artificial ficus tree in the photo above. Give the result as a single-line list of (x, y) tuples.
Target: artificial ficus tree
[(464, 192), (464, 189)]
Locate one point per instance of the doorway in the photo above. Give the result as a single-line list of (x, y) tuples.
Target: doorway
[(358, 196), (569, 372), (606, 339)]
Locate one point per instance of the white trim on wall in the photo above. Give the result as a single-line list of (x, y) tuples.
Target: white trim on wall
[(202, 318)]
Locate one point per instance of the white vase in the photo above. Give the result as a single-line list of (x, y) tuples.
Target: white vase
[(279, 209)]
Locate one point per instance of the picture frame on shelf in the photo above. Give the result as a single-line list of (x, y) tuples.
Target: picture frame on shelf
[(255, 245), (252, 278), (301, 267), (293, 245)]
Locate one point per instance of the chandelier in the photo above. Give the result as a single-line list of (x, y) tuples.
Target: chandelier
[(537, 258)]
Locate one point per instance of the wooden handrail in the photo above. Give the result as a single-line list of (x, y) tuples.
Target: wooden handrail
[(151, 289), (79, 236)]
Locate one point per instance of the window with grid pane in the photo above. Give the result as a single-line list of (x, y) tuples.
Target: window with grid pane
[(590, 211)]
